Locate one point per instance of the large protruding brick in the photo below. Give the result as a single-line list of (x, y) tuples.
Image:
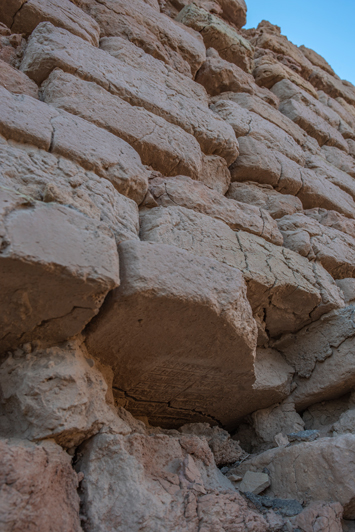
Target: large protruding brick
[(267, 166), (168, 482), (179, 335), (127, 52), (265, 197), (321, 354), (56, 265)]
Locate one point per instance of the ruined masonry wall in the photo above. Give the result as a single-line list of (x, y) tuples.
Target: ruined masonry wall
[(177, 269)]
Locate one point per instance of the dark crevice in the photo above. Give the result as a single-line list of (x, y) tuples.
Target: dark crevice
[(168, 405), (80, 490), (52, 137), (17, 12)]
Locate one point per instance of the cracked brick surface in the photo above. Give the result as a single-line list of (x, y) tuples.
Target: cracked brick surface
[(168, 361), (51, 48), (182, 191), (57, 266), (25, 119), (177, 225), (42, 176), (164, 146), (22, 16), (281, 284)]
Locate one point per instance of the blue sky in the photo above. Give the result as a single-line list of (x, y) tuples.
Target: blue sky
[(327, 26)]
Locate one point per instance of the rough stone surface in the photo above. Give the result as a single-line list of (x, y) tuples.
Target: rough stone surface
[(15, 81), (268, 71), (323, 416), (313, 124), (186, 193), (57, 266), (12, 46), (177, 228), (327, 369), (337, 177), (344, 110), (38, 488), (218, 35), (317, 342), (266, 166), (215, 173), (269, 37), (44, 177), (234, 11), (25, 119), (351, 144), (99, 151), (334, 249), (152, 290), (161, 145), (329, 380), (266, 110), (319, 516), (258, 163), (144, 26), (325, 113), (282, 286), (318, 191), (225, 450), (156, 480), (275, 420), (333, 219), (127, 52), (51, 48), (346, 422), (248, 123), (218, 75), (332, 86), (314, 464), (347, 286), (272, 374), (341, 160), (284, 507), (55, 393), (62, 13), (303, 435), (254, 482), (265, 197), (316, 59), (8, 12)]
